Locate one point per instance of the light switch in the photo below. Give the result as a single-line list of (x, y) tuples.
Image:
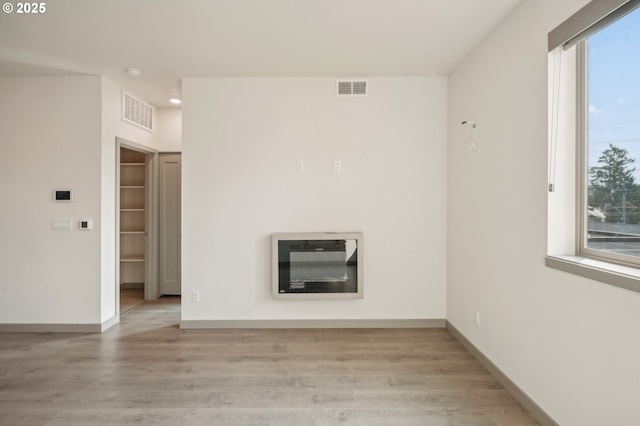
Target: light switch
[(62, 224)]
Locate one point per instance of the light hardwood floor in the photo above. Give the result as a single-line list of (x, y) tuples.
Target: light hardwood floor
[(146, 371), (130, 298)]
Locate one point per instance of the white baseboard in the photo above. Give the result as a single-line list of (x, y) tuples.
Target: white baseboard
[(51, 328), (346, 323), (109, 323), (59, 328)]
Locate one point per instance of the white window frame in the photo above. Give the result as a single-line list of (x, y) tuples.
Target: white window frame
[(607, 267), (582, 144)]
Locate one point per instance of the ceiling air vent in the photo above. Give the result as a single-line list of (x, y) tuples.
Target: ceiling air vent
[(351, 87), (136, 111)]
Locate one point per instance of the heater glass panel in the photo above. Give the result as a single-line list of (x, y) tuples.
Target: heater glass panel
[(317, 266)]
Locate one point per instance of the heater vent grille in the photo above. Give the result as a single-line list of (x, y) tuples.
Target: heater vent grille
[(137, 111), (351, 87)]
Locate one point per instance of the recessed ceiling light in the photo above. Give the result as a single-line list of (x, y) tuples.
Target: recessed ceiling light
[(175, 101), (133, 72)]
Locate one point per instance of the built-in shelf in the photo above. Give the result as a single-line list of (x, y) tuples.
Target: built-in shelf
[(133, 176), (135, 258)]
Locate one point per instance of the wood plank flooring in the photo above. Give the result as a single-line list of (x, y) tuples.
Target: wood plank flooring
[(146, 371), (130, 298)]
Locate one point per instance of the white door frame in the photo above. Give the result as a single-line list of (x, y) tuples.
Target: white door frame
[(151, 289)]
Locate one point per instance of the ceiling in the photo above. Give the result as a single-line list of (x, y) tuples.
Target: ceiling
[(171, 39)]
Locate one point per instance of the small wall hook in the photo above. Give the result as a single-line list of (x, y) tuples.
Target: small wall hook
[(473, 146)]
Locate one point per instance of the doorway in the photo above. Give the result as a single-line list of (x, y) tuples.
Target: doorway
[(136, 225)]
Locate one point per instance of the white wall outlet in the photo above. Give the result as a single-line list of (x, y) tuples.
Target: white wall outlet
[(300, 166), (337, 166), (476, 317), (195, 296)]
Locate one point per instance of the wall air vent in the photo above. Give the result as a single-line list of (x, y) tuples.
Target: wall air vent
[(351, 87), (136, 111)]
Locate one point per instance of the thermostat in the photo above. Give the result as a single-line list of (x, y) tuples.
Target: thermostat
[(63, 195), (86, 224)]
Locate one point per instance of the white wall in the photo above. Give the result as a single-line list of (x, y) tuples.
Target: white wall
[(569, 342), (49, 138), (241, 141), (113, 126), (169, 129), (60, 132)]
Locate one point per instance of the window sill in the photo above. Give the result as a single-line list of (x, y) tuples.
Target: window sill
[(609, 273)]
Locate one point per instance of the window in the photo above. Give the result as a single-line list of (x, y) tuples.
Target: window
[(609, 141), (593, 223)]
